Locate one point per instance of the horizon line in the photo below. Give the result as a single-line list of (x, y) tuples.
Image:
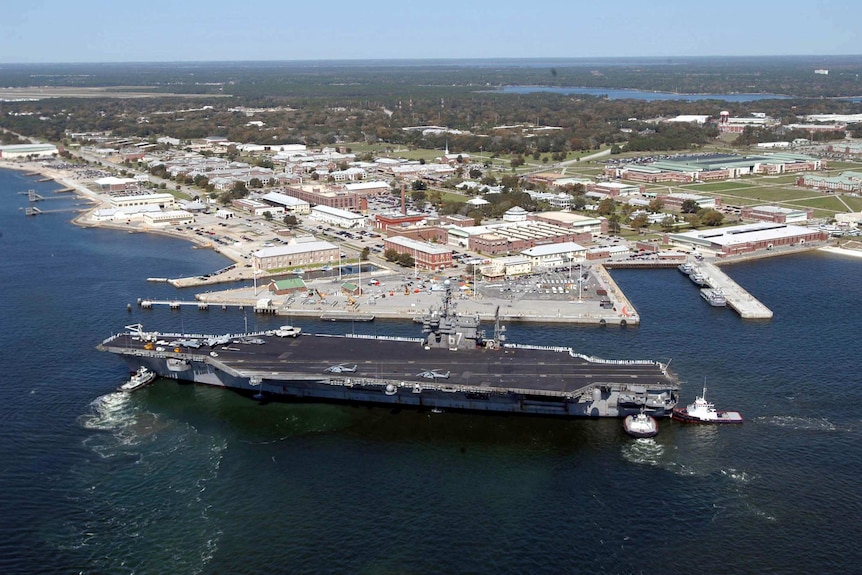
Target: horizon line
[(437, 59)]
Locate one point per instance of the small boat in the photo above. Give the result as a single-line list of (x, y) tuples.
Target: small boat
[(641, 425), (702, 411), (698, 278), (138, 380), (686, 268), (714, 297)]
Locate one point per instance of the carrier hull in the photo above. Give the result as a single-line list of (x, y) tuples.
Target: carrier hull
[(407, 373)]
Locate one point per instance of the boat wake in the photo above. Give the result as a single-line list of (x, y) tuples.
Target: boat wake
[(737, 476), (801, 423), (644, 451), (147, 483)]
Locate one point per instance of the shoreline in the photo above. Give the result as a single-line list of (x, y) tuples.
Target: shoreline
[(375, 302)]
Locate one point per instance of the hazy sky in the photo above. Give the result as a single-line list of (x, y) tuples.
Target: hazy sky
[(183, 30)]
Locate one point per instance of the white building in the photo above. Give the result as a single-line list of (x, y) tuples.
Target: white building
[(123, 215), (337, 217), (507, 266), (162, 201), (258, 208), (515, 214), (168, 218), (555, 255), (288, 203), (14, 151)]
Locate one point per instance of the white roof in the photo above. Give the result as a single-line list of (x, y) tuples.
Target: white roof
[(337, 212), (420, 246), (111, 181), (616, 185), (283, 199), (551, 249), (298, 248), (358, 186), (735, 235)]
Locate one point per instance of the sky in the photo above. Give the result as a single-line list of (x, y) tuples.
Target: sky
[(34, 31)]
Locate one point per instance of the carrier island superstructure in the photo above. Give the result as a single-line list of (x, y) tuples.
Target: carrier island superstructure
[(453, 367)]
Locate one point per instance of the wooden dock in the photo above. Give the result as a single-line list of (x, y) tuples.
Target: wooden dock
[(746, 305)]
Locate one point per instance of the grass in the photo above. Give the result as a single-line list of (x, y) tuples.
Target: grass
[(771, 195), (833, 166), (717, 186), (827, 205)]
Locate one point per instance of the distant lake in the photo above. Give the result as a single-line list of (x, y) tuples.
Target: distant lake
[(621, 94)]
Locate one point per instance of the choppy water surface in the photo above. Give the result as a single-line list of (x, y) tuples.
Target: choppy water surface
[(187, 479)]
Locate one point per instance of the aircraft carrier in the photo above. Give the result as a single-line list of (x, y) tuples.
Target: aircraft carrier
[(453, 367)]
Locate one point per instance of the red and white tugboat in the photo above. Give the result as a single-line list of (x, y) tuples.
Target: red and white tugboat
[(702, 411), (641, 425)]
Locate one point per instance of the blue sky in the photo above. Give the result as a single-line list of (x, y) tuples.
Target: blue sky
[(193, 30)]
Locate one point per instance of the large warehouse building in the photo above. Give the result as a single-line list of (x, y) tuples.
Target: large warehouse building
[(747, 238)]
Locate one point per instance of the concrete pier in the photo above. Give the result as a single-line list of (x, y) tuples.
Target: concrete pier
[(737, 298)]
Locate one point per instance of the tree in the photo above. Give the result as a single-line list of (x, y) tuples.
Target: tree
[(689, 207), (511, 182), (363, 255), (267, 215), (406, 260), (607, 207), (290, 221), (640, 221), (655, 206), (390, 255), (667, 223), (710, 217), (255, 183), (475, 173)]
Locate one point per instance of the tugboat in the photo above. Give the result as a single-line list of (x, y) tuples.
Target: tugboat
[(641, 425), (702, 411), (138, 380)]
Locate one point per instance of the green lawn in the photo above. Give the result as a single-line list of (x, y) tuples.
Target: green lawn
[(855, 203), (717, 186), (829, 205), (766, 194), (833, 166)]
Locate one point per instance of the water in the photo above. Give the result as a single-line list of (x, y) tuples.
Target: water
[(629, 94), (188, 479)]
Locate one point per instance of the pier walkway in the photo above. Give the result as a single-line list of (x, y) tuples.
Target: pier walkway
[(737, 297)]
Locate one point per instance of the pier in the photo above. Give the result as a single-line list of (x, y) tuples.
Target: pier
[(746, 305), (201, 305), (33, 211)]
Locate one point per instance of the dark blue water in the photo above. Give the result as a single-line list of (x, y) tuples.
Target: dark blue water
[(188, 479), (628, 94)]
